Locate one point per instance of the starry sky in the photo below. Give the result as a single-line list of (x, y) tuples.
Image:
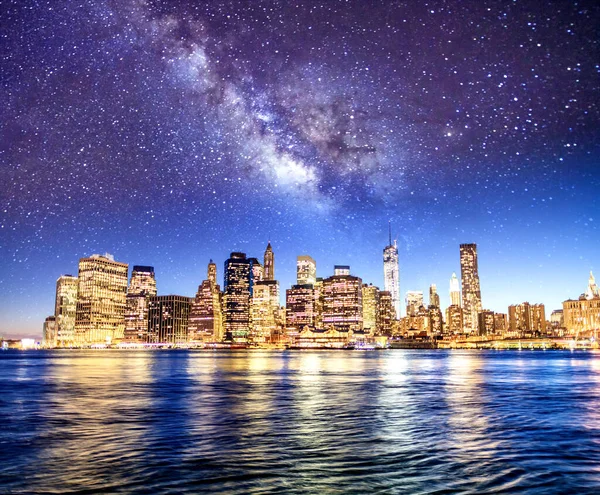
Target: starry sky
[(168, 133)]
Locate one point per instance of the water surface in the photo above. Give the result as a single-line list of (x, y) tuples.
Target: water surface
[(394, 421)]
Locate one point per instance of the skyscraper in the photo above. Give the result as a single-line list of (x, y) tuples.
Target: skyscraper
[(306, 270), (65, 310), (264, 306), (414, 301), (342, 303), (206, 320), (238, 286), (370, 306), (168, 318), (269, 263), (101, 293), (391, 273), (471, 291), (142, 286), (385, 314), (434, 297), (300, 307), (454, 291)]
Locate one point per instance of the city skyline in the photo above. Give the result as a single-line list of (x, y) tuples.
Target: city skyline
[(135, 283), (173, 133)]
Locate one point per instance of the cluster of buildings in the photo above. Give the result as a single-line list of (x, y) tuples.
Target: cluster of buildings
[(101, 306)]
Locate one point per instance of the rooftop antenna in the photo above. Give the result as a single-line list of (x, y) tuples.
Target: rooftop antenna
[(390, 228)]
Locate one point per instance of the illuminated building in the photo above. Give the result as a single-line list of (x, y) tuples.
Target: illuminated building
[(454, 319), (342, 302), (306, 270), (341, 270), (264, 306), (500, 323), (101, 300), (454, 291), (592, 291), (239, 281), (436, 320), (391, 274), (526, 319), (49, 335), (519, 319), (142, 285), (486, 322), (386, 315), (319, 303), (557, 319), (269, 263), (370, 307), (168, 318), (538, 318), (471, 291), (434, 297), (65, 310), (582, 317), (300, 302), (258, 271), (414, 301), (206, 320)]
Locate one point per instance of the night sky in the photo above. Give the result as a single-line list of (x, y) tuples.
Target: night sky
[(168, 133)]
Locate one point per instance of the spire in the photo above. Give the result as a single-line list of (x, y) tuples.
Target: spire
[(390, 229), (269, 263)]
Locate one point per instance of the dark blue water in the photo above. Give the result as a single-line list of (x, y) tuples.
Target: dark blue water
[(299, 422)]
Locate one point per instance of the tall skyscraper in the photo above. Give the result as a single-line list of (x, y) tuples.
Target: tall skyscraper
[(434, 297), (454, 291), (65, 309), (385, 314), (342, 303), (101, 300), (471, 291), (306, 270), (269, 263), (238, 286), (168, 318), (391, 273), (206, 319), (370, 307), (264, 307), (142, 286)]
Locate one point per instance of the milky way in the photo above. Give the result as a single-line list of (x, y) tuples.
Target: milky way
[(174, 132)]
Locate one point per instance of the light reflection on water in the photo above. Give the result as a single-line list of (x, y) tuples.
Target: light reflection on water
[(298, 422)]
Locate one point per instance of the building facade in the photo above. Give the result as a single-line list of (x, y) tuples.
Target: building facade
[(306, 270), (168, 318), (101, 300), (206, 317), (454, 291), (471, 291), (142, 286), (65, 310), (238, 287), (342, 303), (391, 275), (370, 308), (300, 307), (269, 263)]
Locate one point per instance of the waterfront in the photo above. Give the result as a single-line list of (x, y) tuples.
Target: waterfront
[(396, 421)]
